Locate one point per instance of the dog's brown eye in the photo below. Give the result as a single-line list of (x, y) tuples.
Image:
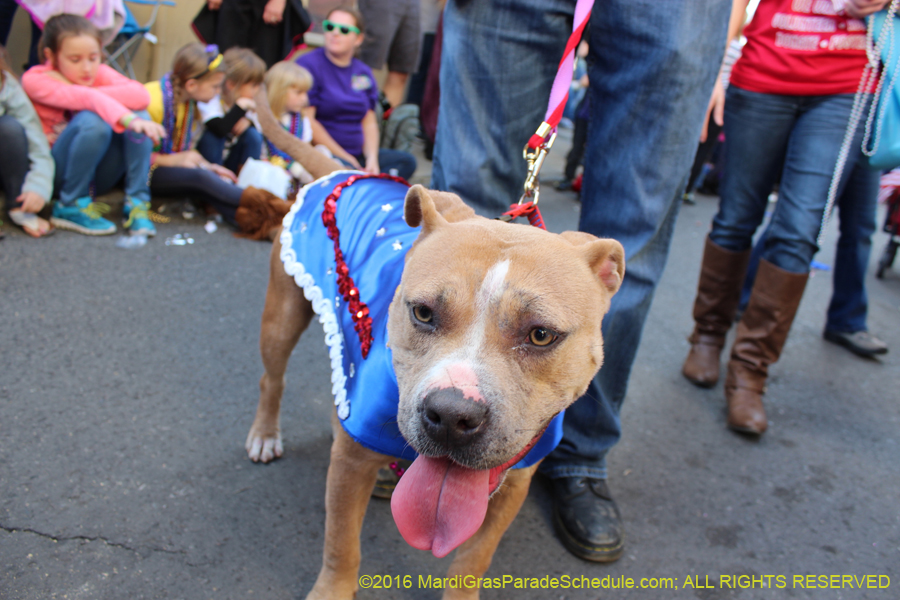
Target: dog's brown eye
[(541, 336), (423, 314)]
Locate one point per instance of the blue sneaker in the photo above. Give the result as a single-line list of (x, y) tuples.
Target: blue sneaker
[(83, 216), (137, 219)]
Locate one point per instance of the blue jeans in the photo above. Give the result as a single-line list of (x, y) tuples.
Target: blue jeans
[(650, 85), (801, 137), (89, 151), (248, 145), (856, 206), (396, 162), (393, 162)]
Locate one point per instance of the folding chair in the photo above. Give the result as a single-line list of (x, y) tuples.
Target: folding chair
[(122, 50)]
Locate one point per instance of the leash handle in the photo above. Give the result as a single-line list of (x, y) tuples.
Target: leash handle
[(539, 144)]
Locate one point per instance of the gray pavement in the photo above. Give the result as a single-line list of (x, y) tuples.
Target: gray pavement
[(129, 381)]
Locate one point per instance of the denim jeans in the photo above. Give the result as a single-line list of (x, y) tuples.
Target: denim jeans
[(393, 162), (801, 137), (856, 207), (89, 151), (651, 66), (14, 163), (248, 145)]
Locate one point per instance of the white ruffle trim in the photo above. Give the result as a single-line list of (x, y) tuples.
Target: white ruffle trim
[(324, 307)]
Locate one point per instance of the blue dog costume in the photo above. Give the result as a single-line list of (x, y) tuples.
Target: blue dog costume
[(374, 240)]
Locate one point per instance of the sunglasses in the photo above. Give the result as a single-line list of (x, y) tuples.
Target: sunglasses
[(344, 29)]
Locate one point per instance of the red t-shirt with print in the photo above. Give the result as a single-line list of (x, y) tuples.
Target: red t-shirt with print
[(801, 48)]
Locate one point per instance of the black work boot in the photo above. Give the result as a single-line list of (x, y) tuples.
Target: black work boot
[(587, 519)]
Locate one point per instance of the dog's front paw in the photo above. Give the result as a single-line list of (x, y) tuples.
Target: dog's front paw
[(263, 446)]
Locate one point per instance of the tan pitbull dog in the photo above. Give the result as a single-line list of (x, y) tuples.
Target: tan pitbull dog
[(494, 329)]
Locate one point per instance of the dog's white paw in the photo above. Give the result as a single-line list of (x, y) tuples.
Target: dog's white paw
[(262, 448)]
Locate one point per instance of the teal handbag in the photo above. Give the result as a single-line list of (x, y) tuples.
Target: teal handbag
[(881, 142)]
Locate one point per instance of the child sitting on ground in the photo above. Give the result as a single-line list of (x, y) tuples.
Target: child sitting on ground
[(231, 136), (26, 167), (93, 118), (287, 85), (179, 169)]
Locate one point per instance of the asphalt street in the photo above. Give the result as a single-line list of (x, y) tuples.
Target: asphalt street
[(129, 382)]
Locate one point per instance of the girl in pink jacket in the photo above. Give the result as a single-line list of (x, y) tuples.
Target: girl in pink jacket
[(98, 128)]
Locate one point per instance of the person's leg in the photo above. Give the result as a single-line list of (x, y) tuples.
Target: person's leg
[(576, 153), (13, 159), (647, 67), (14, 168), (704, 151), (638, 67), (846, 322), (758, 130), (759, 127), (382, 18), (234, 27), (397, 162), (78, 151), (33, 58), (490, 108), (248, 145), (129, 155), (395, 87), (812, 153), (416, 91), (198, 183), (752, 267), (7, 14), (211, 147)]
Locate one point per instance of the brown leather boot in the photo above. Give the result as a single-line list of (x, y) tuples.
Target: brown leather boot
[(761, 335), (260, 214), (718, 293)]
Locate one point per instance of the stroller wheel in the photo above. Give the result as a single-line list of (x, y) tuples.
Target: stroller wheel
[(887, 259)]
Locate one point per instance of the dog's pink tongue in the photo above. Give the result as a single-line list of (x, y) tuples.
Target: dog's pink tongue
[(438, 504)]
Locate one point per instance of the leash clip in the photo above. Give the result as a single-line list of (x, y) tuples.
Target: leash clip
[(534, 157)]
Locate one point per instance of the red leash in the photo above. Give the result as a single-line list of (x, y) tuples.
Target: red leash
[(529, 210), (539, 144)]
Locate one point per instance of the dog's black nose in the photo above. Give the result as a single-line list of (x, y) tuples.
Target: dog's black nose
[(450, 418)]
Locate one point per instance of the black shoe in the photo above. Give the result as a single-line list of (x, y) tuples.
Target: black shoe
[(861, 343), (564, 185), (587, 519)]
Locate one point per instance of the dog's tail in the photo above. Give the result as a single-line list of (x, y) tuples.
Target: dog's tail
[(312, 160)]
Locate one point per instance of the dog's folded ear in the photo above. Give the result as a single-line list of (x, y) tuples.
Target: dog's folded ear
[(431, 209), (606, 257)]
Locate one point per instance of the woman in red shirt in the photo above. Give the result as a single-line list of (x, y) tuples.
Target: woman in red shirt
[(786, 112)]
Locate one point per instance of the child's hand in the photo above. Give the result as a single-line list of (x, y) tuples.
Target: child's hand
[(151, 129), (246, 103), (214, 4), (372, 165), (226, 174), (31, 202), (191, 159), (241, 126)]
